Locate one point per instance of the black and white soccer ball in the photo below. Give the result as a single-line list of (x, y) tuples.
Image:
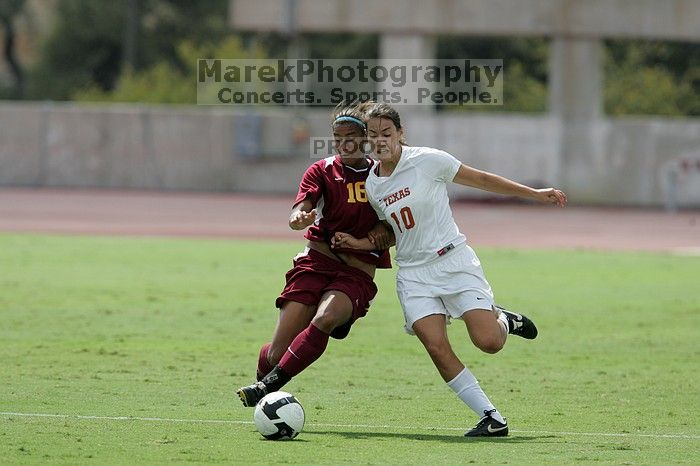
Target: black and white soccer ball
[(279, 416)]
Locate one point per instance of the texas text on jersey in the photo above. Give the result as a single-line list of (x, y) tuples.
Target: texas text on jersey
[(413, 199)]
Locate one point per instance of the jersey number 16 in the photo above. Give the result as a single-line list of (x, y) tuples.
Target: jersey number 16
[(356, 192)]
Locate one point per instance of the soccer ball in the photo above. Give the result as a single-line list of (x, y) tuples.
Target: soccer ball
[(279, 416)]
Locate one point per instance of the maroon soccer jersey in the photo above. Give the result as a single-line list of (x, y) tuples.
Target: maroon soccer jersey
[(337, 191)]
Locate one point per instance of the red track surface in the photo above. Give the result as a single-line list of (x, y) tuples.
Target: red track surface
[(247, 216)]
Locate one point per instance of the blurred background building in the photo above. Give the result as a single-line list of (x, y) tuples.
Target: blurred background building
[(602, 97)]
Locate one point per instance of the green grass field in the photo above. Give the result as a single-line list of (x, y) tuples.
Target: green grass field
[(159, 332)]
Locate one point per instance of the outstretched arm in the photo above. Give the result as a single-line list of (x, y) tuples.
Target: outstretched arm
[(486, 181)]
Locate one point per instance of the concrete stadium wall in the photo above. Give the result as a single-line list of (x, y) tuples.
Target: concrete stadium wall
[(144, 147), (608, 162), (630, 161)]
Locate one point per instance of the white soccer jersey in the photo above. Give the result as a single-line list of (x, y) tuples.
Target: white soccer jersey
[(414, 201)]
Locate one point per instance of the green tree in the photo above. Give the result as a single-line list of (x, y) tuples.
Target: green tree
[(318, 45), (9, 9), (652, 78), (164, 82), (524, 63), (86, 48)]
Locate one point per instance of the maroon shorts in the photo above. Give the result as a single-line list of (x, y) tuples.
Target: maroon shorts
[(314, 274)]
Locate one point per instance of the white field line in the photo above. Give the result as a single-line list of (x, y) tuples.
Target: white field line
[(692, 251), (345, 426)]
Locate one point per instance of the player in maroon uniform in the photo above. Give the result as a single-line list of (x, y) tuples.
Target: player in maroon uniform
[(326, 290)]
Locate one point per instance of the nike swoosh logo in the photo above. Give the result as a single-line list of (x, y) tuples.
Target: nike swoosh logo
[(479, 298), (493, 431)]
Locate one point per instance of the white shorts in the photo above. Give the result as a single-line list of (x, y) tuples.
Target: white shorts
[(452, 285)]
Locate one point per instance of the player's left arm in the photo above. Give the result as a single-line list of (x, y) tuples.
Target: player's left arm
[(486, 181)]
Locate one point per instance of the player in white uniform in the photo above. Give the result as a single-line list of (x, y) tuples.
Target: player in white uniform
[(440, 277)]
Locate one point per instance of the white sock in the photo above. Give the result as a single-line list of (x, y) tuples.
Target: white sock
[(503, 320), (468, 390)]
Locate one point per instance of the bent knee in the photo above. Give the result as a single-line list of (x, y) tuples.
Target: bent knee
[(328, 321), (489, 345), (327, 318)]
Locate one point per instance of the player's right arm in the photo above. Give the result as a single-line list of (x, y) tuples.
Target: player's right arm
[(310, 190), (303, 214)]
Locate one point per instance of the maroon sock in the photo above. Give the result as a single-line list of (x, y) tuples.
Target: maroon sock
[(307, 347), (264, 367)]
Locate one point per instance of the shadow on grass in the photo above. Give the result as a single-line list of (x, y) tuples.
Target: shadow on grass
[(295, 440), (453, 438)]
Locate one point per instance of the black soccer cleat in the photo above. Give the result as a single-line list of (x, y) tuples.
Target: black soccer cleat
[(251, 394), (488, 427), (520, 325)]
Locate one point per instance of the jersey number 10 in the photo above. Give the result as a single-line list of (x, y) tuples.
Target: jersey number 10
[(406, 217)]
